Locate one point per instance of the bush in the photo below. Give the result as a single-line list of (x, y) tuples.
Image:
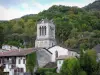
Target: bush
[(46, 71)]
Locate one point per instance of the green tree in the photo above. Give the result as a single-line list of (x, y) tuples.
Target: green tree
[(1, 36), (31, 62), (70, 66), (88, 61)]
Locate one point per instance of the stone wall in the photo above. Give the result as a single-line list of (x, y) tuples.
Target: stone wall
[(43, 57)]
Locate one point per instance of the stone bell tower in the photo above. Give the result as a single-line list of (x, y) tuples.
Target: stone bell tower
[(45, 34)]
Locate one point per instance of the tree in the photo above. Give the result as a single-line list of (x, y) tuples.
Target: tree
[(88, 61), (1, 36), (1, 70), (70, 66), (31, 62)]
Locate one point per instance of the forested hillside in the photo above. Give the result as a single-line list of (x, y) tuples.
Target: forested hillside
[(75, 27), (95, 6)]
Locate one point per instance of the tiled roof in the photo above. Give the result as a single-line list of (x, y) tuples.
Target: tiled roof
[(45, 21), (21, 52), (97, 48)]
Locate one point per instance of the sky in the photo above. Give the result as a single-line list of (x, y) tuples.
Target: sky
[(11, 9)]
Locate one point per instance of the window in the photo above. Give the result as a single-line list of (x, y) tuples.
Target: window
[(56, 54), (45, 30), (23, 61), (40, 30), (59, 62), (19, 61)]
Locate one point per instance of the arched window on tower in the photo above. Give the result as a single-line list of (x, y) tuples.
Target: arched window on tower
[(45, 29), (40, 29)]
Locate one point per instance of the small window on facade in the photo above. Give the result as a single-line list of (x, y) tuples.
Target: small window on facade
[(45, 29), (59, 62), (56, 54), (21, 70), (42, 31), (19, 61), (23, 61)]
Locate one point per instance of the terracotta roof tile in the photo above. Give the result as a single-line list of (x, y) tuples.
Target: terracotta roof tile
[(21, 52)]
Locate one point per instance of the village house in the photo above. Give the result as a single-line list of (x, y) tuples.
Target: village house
[(14, 61), (9, 47)]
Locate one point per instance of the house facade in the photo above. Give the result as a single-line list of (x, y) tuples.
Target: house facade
[(57, 51), (60, 61), (14, 61)]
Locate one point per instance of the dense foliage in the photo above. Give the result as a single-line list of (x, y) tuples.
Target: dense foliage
[(1, 36), (46, 71), (75, 27), (70, 66), (86, 64), (31, 62)]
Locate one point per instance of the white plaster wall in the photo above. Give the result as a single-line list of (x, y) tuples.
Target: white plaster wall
[(7, 68), (8, 47), (72, 53), (21, 65), (59, 65), (11, 72), (61, 51)]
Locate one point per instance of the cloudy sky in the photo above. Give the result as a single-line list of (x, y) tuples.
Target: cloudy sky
[(10, 9)]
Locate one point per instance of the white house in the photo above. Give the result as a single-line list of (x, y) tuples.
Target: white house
[(14, 61), (9, 47), (60, 61), (3, 50), (57, 51)]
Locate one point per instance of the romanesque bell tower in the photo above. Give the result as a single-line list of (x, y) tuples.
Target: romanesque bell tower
[(45, 34)]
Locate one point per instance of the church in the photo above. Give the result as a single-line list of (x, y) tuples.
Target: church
[(46, 48), (46, 40)]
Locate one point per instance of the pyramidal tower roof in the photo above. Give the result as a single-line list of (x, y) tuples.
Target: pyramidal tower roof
[(45, 21)]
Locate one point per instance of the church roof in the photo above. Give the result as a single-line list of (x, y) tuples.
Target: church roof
[(45, 21)]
